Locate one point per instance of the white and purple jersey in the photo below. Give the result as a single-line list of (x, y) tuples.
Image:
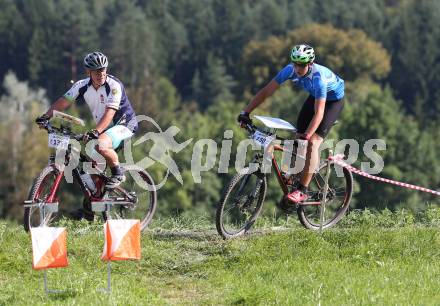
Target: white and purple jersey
[(320, 82), (110, 95)]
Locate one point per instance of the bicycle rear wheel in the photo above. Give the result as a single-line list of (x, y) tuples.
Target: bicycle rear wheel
[(40, 190), (140, 191), (339, 194), (241, 203)]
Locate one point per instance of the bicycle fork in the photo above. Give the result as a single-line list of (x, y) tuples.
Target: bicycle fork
[(49, 206)]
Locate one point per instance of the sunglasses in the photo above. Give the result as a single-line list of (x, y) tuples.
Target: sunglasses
[(302, 65)]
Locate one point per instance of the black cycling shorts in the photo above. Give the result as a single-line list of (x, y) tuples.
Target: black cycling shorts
[(332, 111)]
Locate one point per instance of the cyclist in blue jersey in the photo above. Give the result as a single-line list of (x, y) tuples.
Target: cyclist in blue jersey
[(318, 113), (108, 102)]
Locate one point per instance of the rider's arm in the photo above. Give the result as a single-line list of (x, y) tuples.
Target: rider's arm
[(317, 118), (106, 119), (59, 105), (67, 99), (282, 76), (264, 93)]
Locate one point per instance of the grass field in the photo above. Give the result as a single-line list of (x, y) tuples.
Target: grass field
[(370, 259)]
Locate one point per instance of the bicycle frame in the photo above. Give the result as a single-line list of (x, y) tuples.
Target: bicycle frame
[(50, 205), (280, 177), (99, 200), (243, 199), (277, 169), (120, 201), (76, 176), (275, 166)]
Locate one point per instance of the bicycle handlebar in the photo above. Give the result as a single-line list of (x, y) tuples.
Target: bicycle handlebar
[(252, 128), (51, 129)]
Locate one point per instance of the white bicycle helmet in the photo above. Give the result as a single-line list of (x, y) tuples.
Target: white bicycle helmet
[(302, 54), (95, 61)]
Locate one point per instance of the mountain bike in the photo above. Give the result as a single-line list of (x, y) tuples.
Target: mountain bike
[(135, 198), (242, 200)]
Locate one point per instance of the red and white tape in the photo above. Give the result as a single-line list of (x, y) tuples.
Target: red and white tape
[(338, 159)]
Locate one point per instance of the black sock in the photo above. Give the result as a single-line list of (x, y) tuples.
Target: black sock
[(116, 170), (302, 188), (295, 185)]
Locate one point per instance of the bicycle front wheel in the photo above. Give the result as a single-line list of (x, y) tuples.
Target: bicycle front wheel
[(340, 189), (241, 203), (139, 193), (40, 191)]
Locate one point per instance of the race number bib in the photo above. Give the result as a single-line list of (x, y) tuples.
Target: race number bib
[(262, 139), (58, 141)]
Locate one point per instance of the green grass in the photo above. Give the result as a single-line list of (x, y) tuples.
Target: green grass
[(370, 259)]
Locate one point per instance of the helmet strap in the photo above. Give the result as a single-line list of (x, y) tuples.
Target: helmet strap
[(309, 69)]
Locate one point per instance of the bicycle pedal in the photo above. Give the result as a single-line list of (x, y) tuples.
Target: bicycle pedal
[(287, 207)]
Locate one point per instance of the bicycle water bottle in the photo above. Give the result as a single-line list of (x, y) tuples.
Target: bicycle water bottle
[(87, 179)]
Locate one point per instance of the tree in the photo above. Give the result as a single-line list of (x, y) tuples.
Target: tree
[(217, 84), (12, 39), (19, 159), (131, 56), (372, 113), (415, 40), (58, 50), (367, 15), (76, 35), (351, 54), (173, 39)]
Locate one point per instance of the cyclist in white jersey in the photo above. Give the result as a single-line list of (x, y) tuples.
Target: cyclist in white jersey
[(108, 102), (318, 113)]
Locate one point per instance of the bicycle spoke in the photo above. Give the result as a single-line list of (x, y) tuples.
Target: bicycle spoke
[(240, 205), (338, 196), (229, 209), (339, 193), (140, 202)]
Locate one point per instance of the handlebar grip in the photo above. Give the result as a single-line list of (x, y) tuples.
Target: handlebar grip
[(78, 137), (249, 127), (42, 125)]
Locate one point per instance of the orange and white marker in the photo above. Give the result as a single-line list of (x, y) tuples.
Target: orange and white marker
[(122, 240), (49, 247)]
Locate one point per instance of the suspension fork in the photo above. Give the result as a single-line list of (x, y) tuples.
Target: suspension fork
[(246, 179), (243, 183), (57, 182), (55, 186)]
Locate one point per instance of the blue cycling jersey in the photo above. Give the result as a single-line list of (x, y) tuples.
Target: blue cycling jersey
[(320, 82)]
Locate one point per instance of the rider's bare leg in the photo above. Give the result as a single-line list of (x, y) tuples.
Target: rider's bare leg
[(312, 159), (106, 150)]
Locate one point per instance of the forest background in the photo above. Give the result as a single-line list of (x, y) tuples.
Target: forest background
[(196, 63)]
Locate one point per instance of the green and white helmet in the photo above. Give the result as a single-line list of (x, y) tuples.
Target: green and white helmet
[(302, 54)]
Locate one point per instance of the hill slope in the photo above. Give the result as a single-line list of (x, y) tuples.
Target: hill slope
[(363, 264)]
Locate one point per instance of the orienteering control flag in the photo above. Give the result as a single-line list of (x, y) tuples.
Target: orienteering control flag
[(49, 247), (122, 240)]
